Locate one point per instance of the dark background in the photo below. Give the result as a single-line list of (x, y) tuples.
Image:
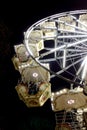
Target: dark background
[(15, 19)]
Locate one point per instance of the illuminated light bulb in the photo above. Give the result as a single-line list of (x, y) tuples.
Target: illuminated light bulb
[(71, 101), (80, 111), (52, 98), (35, 75), (52, 94), (57, 93), (61, 91)]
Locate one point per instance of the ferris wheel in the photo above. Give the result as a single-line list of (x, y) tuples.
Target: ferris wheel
[(62, 43), (55, 48)]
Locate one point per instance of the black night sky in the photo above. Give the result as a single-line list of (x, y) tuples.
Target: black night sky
[(15, 18)]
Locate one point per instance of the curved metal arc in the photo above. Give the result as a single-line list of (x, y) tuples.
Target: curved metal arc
[(63, 46)]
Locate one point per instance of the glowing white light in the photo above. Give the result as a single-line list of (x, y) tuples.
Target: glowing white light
[(85, 68), (85, 109), (35, 75), (52, 94), (61, 91), (71, 101), (51, 98), (57, 93), (64, 90), (64, 59), (80, 111), (52, 106)]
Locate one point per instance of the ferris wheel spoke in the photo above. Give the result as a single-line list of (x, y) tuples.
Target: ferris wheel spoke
[(72, 26), (64, 57), (63, 46), (72, 36), (61, 71), (68, 57), (66, 36), (71, 31), (84, 45), (80, 22), (82, 48), (75, 49), (71, 74), (56, 49)]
